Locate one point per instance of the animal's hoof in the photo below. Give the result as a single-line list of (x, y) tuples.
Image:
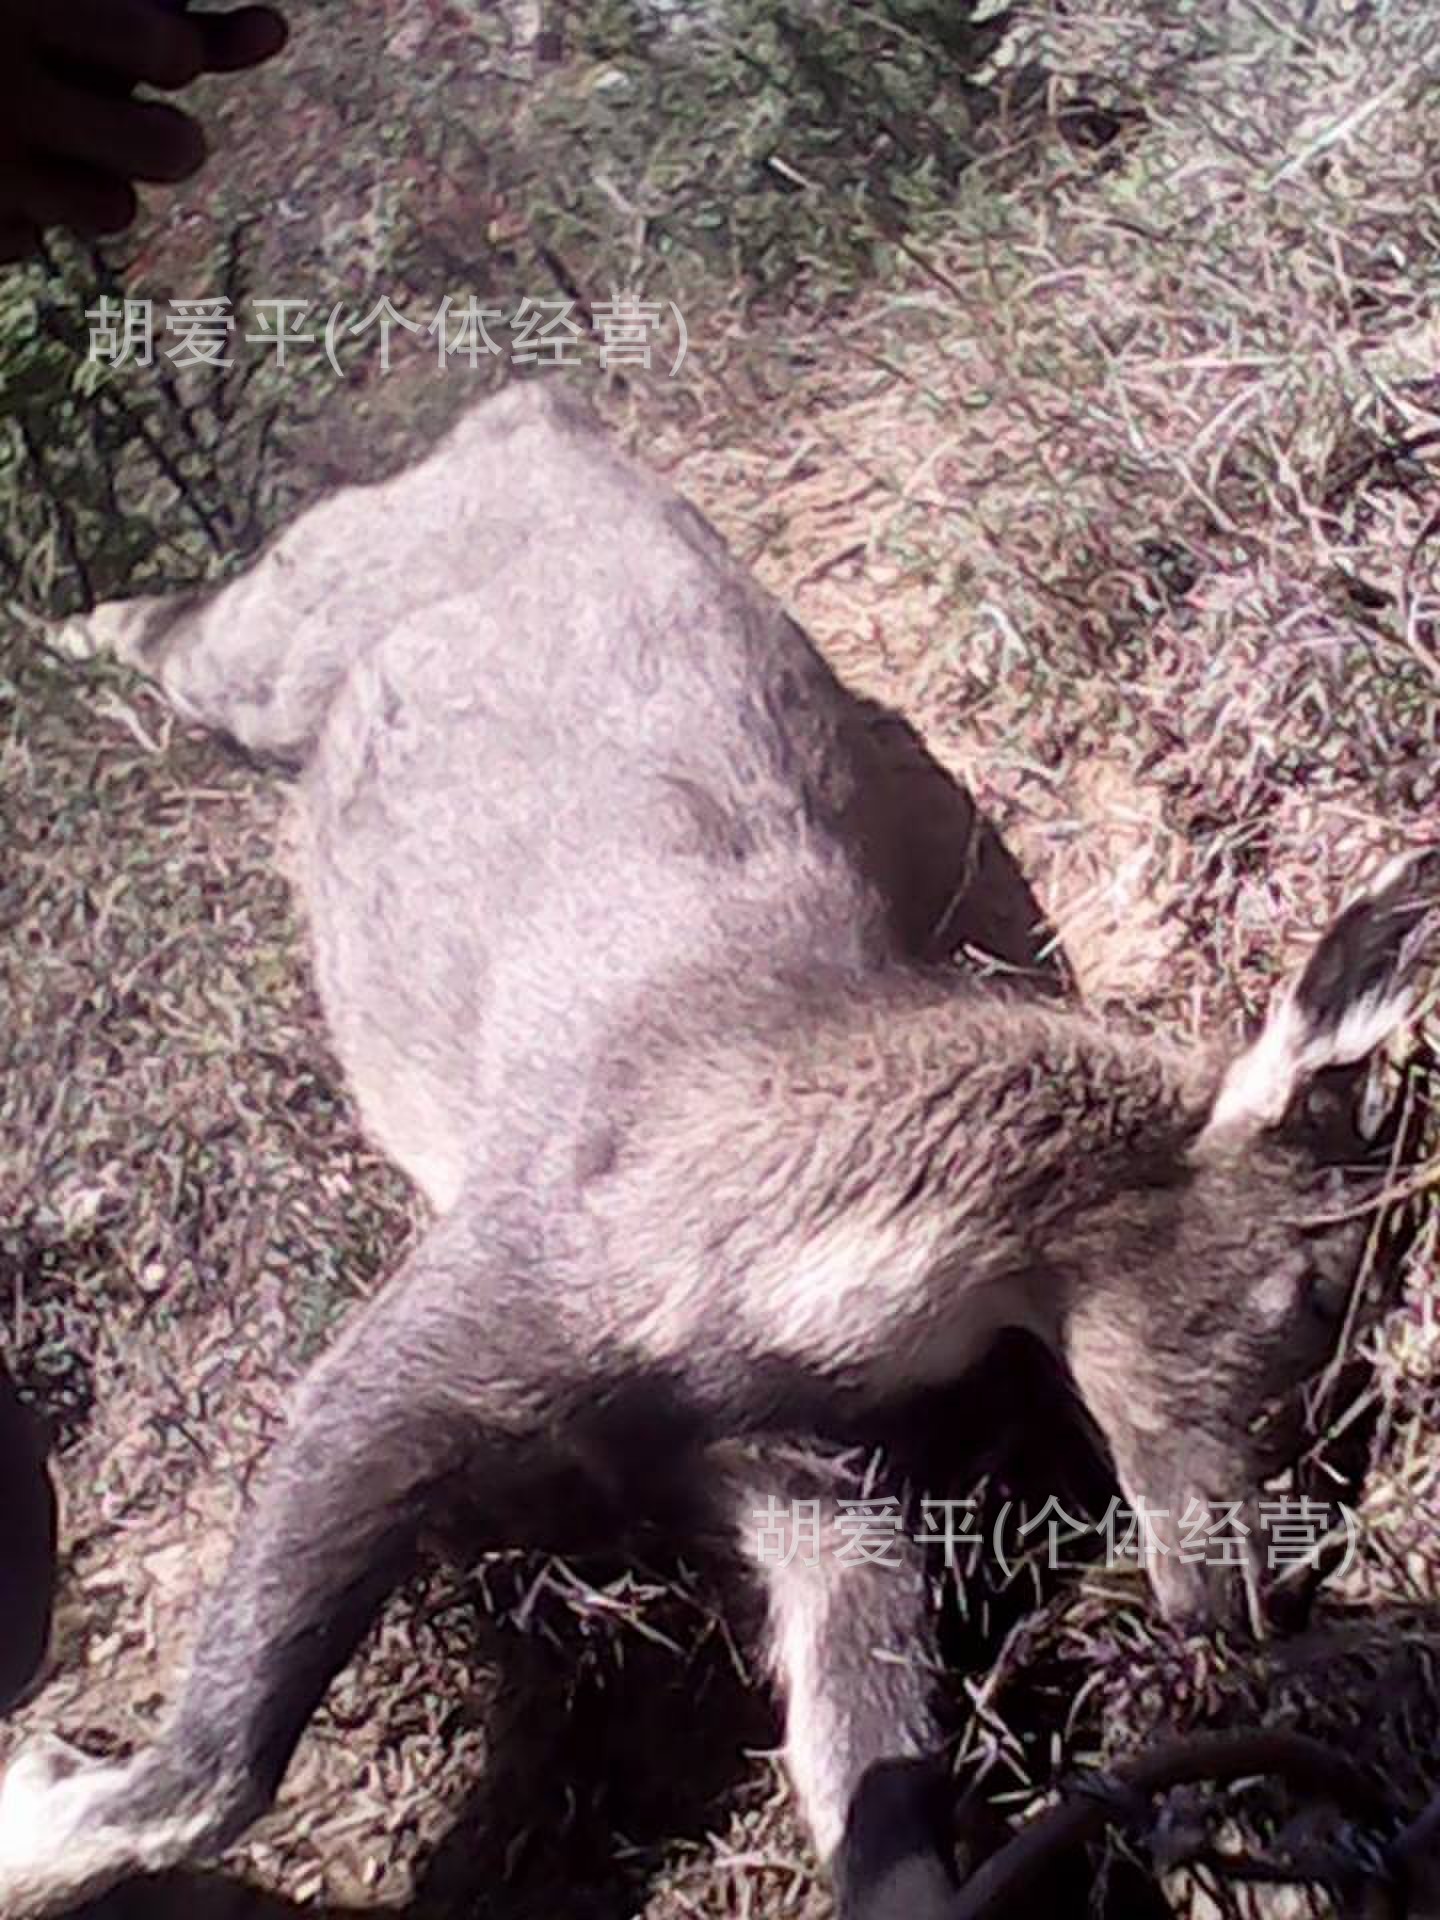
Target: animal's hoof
[(45, 1794), (71, 1827)]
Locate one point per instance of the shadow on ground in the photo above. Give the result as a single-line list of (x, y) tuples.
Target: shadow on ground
[(589, 1784)]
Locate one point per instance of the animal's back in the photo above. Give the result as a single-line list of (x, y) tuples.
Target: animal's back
[(562, 756), (538, 808)]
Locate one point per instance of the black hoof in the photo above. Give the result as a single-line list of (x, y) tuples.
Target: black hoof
[(896, 1861)]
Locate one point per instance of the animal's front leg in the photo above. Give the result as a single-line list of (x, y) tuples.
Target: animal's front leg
[(439, 1377), (852, 1648)]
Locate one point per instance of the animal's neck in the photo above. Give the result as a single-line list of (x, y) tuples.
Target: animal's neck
[(902, 1096), (885, 1179)]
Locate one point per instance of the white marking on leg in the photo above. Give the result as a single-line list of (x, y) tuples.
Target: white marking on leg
[(57, 1845), (815, 1747)]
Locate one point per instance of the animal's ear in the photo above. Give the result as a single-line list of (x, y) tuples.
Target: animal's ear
[(1358, 985)]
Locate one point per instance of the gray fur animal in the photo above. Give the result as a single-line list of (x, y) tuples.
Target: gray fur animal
[(632, 927)]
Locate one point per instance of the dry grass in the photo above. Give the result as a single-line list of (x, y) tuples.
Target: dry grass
[(1124, 483)]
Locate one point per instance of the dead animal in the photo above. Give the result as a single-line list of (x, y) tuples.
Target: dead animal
[(634, 930)]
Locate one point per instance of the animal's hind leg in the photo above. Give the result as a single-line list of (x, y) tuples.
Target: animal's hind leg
[(418, 1390), (258, 658), (851, 1644)]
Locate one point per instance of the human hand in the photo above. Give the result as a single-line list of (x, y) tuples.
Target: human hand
[(73, 138)]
